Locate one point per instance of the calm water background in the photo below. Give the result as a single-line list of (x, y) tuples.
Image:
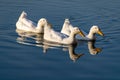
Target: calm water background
[(28, 62)]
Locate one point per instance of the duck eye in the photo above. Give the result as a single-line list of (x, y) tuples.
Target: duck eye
[(77, 28), (95, 27)]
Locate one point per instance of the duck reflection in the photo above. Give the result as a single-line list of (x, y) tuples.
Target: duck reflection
[(70, 48), (73, 56), (28, 38), (92, 49)]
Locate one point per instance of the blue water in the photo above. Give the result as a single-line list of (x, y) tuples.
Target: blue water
[(24, 59)]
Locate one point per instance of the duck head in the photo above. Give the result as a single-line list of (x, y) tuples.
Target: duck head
[(76, 30), (96, 29), (42, 22)]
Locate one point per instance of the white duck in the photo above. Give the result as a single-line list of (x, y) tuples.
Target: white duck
[(66, 29), (57, 37), (29, 26)]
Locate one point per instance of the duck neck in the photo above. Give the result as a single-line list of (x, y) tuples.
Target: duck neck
[(72, 38), (91, 35), (72, 35), (40, 28)]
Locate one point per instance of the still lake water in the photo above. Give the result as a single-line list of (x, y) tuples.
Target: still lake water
[(26, 60)]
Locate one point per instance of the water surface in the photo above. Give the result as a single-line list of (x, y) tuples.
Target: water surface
[(23, 58)]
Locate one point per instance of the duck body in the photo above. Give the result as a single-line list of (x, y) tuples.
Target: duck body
[(27, 25), (58, 37), (66, 29)]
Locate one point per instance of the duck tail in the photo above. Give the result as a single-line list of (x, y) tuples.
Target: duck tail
[(67, 21), (23, 15)]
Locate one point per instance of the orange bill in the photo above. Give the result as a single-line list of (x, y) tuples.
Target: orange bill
[(100, 33), (81, 34)]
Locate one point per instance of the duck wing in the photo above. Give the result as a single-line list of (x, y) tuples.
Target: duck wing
[(25, 21), (58, 35)]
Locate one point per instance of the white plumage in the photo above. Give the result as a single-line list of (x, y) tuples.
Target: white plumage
[(27, 25), (57, 37), (66, 29)]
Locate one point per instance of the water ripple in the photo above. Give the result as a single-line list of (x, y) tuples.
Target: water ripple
[(24, 58)]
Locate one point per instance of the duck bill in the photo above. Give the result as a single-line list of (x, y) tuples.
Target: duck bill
[(81, 34), (100, 33)]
